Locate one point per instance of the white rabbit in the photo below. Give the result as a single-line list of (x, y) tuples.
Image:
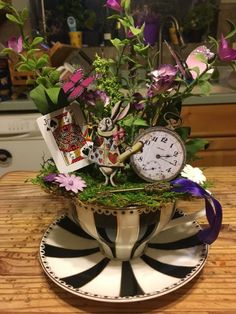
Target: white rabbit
[(105, 149)]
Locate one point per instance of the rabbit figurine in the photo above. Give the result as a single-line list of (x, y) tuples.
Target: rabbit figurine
[(105, 149)]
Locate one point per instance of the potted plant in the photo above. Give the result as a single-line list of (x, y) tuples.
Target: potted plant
[(122, 157), (56, 19), (198, 20)]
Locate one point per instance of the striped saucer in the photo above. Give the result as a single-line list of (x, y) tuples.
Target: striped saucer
[(72, 259)]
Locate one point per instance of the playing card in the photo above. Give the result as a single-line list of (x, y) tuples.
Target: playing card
[(63, 132)]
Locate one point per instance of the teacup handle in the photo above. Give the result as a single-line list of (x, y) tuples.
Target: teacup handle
[(185, 219)]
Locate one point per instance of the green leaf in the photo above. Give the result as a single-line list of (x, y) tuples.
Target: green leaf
[(42, 81), (39, 98), (128, 120), (13, 19), (205, 87), (53, 94), (31, 63), (124, 22), (24, 68), (56, 98), (54, 76), (32, 51), (24, 14), (3, 5), (125, 4), (46, 70), (206, 76), (22, 57), (184, 132), (41, 62), (6, 51), (193, 146), (233, 29), (36, 41), (140, 122), (30, 81), (213, 41), (141, 49), (117, 43), (136, 31), (113, 16)]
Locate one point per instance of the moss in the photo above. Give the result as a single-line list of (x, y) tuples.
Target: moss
[(130, 190)]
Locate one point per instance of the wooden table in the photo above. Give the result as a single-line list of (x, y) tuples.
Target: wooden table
[(26, 212)]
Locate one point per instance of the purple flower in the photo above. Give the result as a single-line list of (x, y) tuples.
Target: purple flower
[(114, 5), (163, 79), (70, 182), (104, 98), (226, 53), (91, 97), (50, 177), (15, 44)]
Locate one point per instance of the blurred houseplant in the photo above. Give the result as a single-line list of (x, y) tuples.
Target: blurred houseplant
[(198, 21), (123, 99), (56, 19)]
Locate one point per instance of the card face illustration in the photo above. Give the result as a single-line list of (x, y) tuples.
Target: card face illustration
[(63, 132)]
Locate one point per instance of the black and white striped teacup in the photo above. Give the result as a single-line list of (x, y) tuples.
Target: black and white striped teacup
[(123, 233)]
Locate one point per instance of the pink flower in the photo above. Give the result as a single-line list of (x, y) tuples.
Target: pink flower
[(226, 53), (114, 5), (70, 182), (15, 44)]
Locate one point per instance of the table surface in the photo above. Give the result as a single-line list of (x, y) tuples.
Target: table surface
[(25, 213)]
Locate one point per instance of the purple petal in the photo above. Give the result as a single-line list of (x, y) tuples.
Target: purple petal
[(163, 79), (226, 53), (114, 5), (50, 177), (15, 44)]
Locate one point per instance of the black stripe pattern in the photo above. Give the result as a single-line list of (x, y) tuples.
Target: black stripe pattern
[(126, 278)]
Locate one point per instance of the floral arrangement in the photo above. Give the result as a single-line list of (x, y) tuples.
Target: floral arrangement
[(119, 101)]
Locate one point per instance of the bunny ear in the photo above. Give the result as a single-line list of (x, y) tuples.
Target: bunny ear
[(115, 109), (122, 113)]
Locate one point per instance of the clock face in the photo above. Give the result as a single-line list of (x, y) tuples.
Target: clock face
[(162, 157)]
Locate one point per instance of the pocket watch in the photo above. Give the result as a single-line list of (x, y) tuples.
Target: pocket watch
[(162, 157)]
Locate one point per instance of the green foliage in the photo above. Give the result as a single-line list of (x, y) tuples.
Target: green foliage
[(33, 59), (200, 16), (97, 193), (48, 99), (193, 146), (107, 80)]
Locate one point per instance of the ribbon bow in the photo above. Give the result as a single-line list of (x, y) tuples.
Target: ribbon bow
[(213, 208), (118, 135)]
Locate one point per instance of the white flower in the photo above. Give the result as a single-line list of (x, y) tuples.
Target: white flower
[(193, 173)]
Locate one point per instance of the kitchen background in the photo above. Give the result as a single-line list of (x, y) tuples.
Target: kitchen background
[(21, 146)]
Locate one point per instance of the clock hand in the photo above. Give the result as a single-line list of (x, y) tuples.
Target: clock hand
[(160, 156), (168, 161)]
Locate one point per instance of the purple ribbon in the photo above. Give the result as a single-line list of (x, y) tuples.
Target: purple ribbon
[(213, 208)]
